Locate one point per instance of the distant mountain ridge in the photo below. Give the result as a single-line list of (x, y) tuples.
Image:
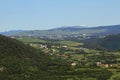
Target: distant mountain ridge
[(12, 31), (70, 30)]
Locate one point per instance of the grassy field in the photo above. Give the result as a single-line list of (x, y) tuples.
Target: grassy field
[(30, 40), (70, 43)]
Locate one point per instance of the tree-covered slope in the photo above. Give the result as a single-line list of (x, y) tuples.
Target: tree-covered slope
[(111, 42), (21, 62)]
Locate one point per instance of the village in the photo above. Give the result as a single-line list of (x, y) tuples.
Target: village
[(61, 51), (72, 51)]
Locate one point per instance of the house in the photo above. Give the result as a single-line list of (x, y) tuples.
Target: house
[(1, 69), (13, 37), (73, 64), (43, 46), (53, 50), (64, 46), (98, 63), (106, 65), (111, 65)]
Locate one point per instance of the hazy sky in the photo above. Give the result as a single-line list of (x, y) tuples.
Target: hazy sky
[(46, 14)]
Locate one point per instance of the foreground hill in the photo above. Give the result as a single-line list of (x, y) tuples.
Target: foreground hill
[(22, 62), (17, 61), (70, 30)]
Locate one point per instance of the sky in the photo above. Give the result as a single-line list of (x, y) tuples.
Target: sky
[(47, 14)]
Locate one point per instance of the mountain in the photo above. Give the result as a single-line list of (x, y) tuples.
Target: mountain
[(108, 30), (11, 32), (70, 30), (22, 62)]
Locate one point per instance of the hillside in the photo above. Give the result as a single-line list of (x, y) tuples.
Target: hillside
[(110, 42), (22, 62), (17, 61)]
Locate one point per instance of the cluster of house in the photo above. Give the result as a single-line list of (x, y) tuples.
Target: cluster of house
[(63, 55), (45, 46), (97, 63), (42, 46), (104, 65)]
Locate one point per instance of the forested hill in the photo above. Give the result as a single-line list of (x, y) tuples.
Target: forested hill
[(111, 42), (22, 62), (17, 61)]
